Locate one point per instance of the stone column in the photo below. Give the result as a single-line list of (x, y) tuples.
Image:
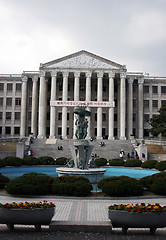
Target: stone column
[(64, 109), (130, 107), (88, 98), (23, 106), (42, 106), (53, 109), (140, 107), (34, 106), (111, 110), (99, 109), (122, 105), (76, 96)]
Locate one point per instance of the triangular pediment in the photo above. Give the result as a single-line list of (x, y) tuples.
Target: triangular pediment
[(82, 59)]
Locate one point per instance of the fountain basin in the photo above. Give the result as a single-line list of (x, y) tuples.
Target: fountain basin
[(93, 174)]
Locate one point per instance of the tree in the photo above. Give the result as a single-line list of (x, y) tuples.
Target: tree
[(158, 122)]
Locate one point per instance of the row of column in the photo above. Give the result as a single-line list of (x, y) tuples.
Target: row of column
[(43, 104)]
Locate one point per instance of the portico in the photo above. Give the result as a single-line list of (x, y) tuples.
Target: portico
[(85, 78)]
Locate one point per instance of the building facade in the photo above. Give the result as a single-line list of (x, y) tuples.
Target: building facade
[(43, 102)]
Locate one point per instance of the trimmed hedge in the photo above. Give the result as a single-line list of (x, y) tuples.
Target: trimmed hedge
[(2, 163), (100, 162), (149, 164), (61, 161), (133, 163), (13, 161), (71, 186), (3, 181), (46, 160), (116, 162), (30, 184), (159, 185), (161, 166), (155, 183), (120, 186), (31, 161)]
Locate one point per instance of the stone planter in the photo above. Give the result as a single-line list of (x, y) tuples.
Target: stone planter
[(125, 220), (36, 217)]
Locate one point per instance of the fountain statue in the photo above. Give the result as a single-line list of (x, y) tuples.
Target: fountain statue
[(81, 152)]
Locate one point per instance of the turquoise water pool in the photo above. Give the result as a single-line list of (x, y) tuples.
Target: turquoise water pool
[(13, 172)]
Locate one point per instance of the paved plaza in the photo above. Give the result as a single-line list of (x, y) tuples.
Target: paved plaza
[(80, 211)]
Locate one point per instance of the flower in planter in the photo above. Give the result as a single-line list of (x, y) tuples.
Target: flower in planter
[(28, 205), (139, 208)]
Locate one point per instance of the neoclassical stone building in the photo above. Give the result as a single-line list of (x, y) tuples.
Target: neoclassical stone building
[(42, 102)]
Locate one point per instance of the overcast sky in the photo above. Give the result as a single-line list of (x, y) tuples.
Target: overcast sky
[(129, 32)]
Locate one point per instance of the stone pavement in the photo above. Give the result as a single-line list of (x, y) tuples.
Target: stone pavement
[(71, 213)]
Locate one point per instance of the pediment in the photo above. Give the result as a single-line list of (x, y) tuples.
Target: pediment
[(82, 59)]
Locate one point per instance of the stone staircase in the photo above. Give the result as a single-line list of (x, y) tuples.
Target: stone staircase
[(41, 147)]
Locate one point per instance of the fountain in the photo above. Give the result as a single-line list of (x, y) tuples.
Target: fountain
[(81, 151)]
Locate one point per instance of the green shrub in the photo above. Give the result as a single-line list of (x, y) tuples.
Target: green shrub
[(116, 162), (46, 160), (30, 184), (161, 166), (100, 162), (2, 163), (31, 161), (133, 163), (13, 161), (121, 186), (146, 182), (71, 186), (159, 185), (3, 181), (149, 164), (61, 161)]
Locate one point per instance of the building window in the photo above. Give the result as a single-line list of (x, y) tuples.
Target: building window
[(104, 117), (146, 89), (1, 86), (134, 117), (68, 115), (60, 87), (134, 103), (82, 87), (95, 116), (155, 103), (8, 101), (8, 115), (0, 115), (60, 131), (17, 115), (104, 88), (146, 103), (154, 89), (18, 87), (30, 101), (95, 131), (29, 115), (67, 131), (146, 117), (163, 89), (60, 98), (8, 130), (18, 101), (115, 117), (68, 87), (9, 87), (0, 130), (146, 133), (163, 102), (16, 130), (48, 116), (1, 101), (59, 116)]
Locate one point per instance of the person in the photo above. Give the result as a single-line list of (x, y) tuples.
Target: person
[(128, 156), (121, 155), (143, 156), (132, 154)]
